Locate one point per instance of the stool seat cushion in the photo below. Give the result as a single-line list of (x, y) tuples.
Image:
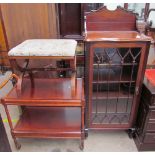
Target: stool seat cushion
[(45, 47)]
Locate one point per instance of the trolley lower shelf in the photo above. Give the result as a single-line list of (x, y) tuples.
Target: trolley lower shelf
[(49, 122)]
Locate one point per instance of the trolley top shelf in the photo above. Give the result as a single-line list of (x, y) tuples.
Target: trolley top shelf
[(46, 92)]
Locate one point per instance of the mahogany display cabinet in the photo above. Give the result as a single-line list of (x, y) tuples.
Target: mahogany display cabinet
[(116, 56)]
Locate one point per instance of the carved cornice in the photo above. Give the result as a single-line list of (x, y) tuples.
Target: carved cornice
[(119, 8)]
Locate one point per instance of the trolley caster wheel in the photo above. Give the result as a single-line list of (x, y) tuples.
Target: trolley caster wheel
[(18, 146), (86, 133), (81, 147)]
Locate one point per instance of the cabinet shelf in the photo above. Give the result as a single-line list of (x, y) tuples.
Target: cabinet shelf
[(111, 95), (113, 81), (49, 121), (114, 75), (116, 64)]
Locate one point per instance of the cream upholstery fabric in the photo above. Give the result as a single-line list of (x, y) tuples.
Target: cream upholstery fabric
[(45, 47)]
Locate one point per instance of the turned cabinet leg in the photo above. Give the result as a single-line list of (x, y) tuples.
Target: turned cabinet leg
[(131, 132), (86, 133), (82, 140), (73, 76)]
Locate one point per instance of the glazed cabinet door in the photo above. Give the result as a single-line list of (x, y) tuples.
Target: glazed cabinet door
[(115, 76)]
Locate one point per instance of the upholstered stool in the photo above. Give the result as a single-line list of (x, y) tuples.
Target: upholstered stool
[(57, 49)]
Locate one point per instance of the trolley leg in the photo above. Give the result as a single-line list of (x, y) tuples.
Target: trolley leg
[(18, 146), (82, 143)]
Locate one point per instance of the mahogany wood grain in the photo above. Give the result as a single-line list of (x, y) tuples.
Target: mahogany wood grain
[(71, 20), (2, 39), (139, 82), (49, 122), (107, 20), (28, 21), (3, 42), (108, 29), (40, 94), (73, 76), (4, 58), (115, 36), (51, 110)]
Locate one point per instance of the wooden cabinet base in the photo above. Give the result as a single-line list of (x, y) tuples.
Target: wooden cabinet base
[(141, 146), (145, 124)]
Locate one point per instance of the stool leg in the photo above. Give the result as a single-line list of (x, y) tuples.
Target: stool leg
[(17, 69), (73, 84), (73, 76), (20, 71), (31, 78)]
